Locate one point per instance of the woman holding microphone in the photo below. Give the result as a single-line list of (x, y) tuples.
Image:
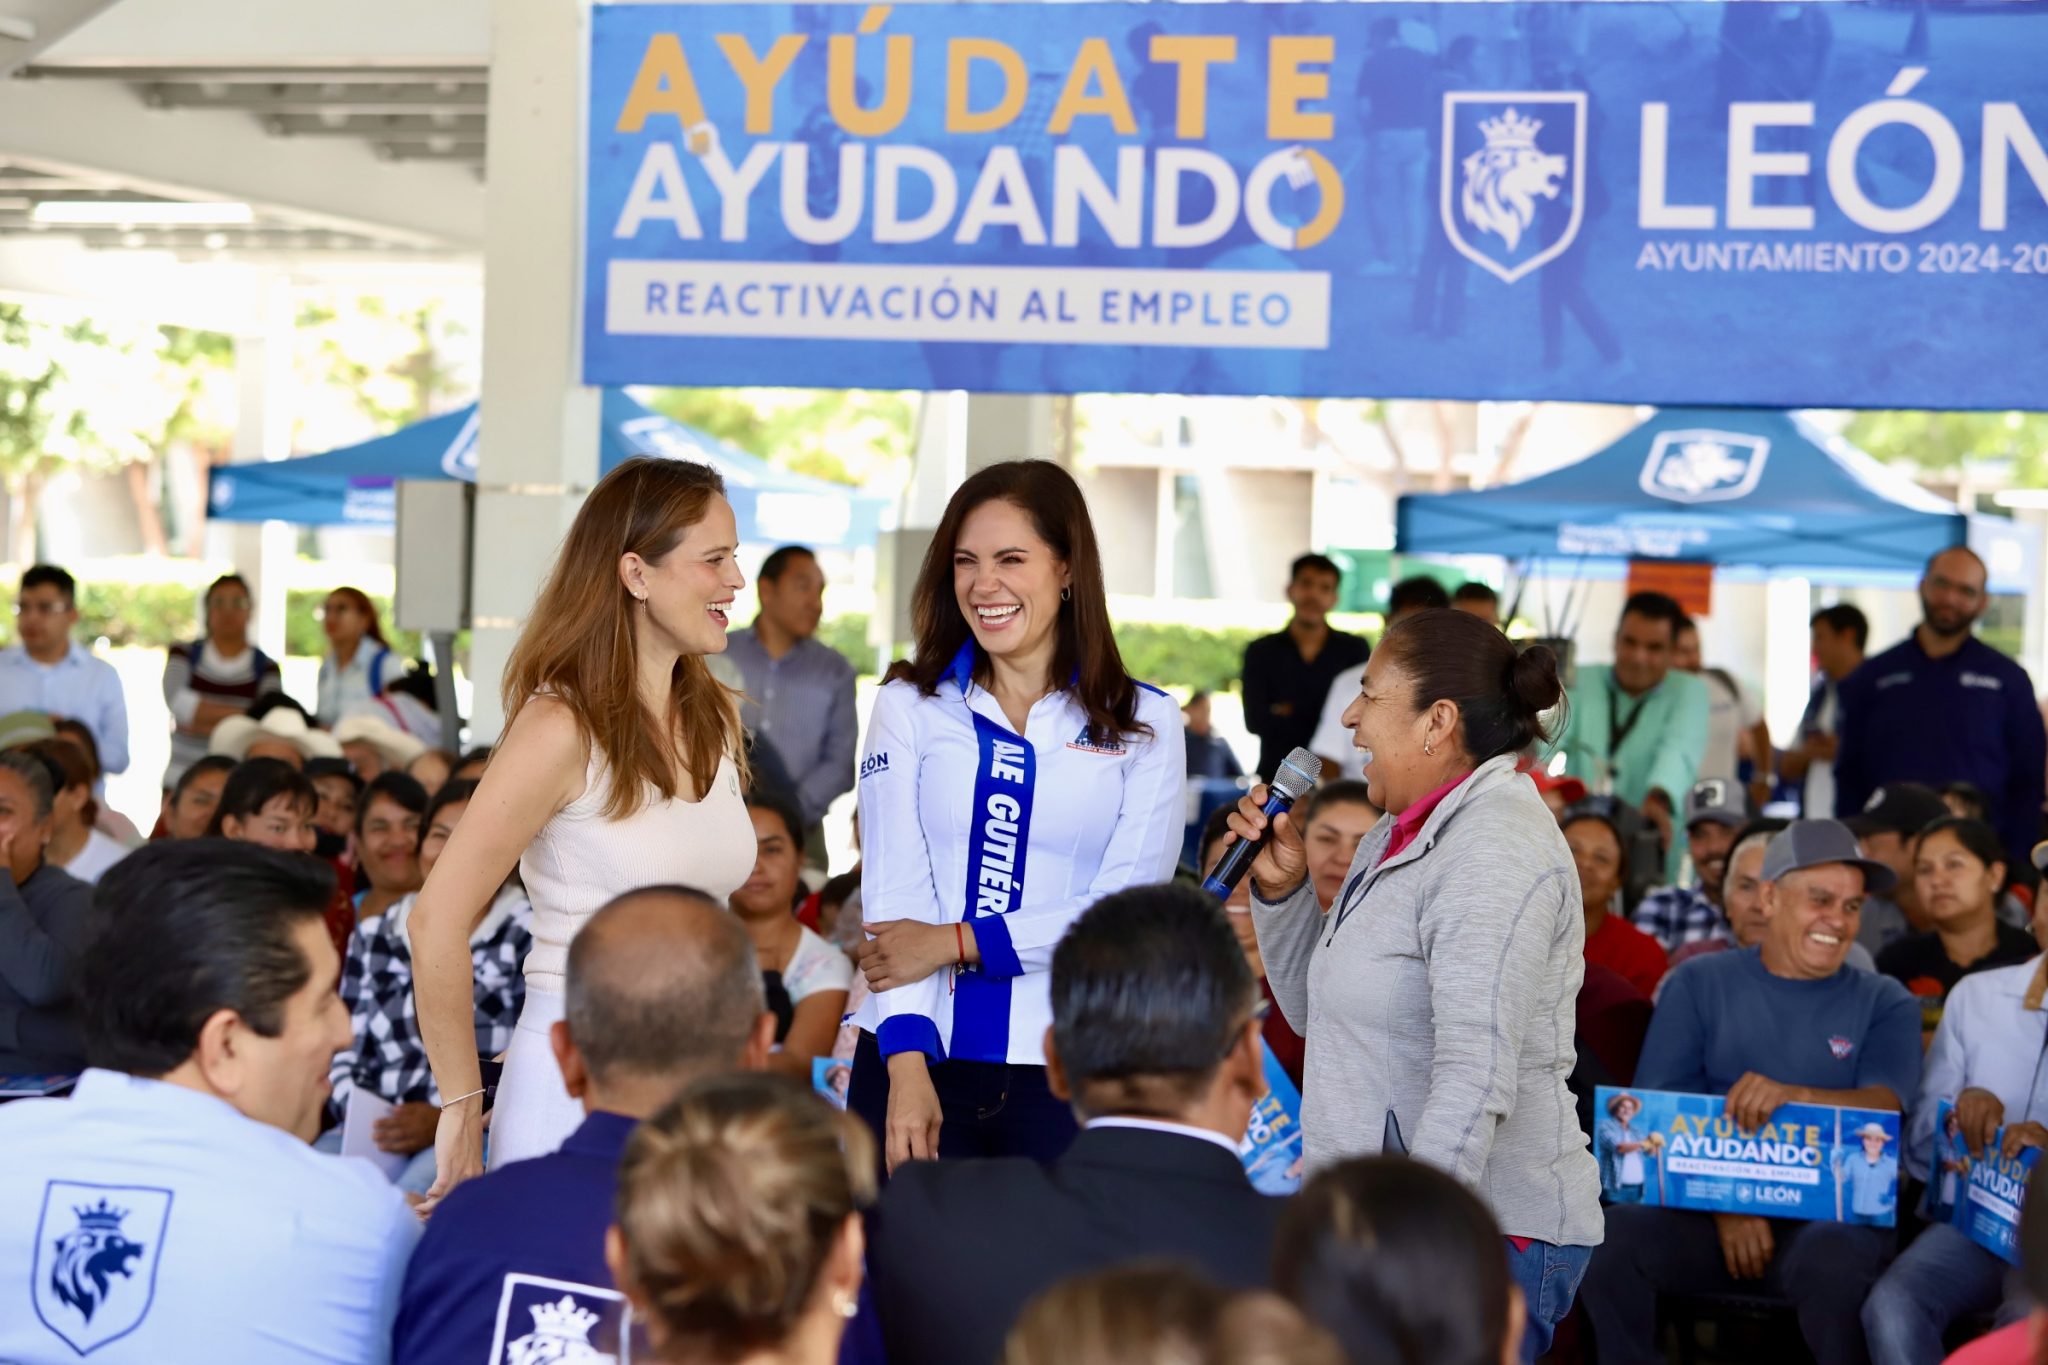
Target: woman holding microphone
[(1014, 775), (1439, 990), (620, 768)]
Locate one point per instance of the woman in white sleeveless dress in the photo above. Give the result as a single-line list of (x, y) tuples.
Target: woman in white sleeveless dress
[(620, 768)]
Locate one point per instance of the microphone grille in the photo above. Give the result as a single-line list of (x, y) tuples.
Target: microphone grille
[(1299, 771)]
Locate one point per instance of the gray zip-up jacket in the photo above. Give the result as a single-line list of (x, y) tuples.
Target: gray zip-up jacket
[(1443, 986)]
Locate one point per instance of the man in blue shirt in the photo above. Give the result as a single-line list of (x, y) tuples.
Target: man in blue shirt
[(48, 671), (1785, 1022), (800, 691), (172, 1209), (1872, 1178), (661, 987), (1942, 707)]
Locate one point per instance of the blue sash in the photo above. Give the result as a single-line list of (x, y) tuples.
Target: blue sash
[(1005, 779)]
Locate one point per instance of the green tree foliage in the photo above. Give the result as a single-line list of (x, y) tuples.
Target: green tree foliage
[(1949, 440), (855, 436), (397, 360)]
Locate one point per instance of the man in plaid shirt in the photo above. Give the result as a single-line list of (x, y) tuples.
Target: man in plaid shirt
[(388, 1057), (1715, 809)]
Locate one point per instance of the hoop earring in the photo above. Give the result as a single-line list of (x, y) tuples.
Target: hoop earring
[(1066, 594), (1428, 750)]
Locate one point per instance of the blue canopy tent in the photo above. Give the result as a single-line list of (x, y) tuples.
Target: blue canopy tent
[(356, 485), (1741, 487)]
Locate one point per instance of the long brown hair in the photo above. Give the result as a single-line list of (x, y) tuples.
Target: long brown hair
[(362, 603), (578, 643), (1086, 650)]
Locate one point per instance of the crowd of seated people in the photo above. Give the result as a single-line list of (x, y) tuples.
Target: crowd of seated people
[(239, 988), (691, 1187)]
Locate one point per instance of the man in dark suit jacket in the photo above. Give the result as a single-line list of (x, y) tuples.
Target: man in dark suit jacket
[(1155, 1042)]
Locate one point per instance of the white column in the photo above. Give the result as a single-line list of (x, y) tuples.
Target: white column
[(538, 451), (1788, 656), (958, 433), (263, 431)]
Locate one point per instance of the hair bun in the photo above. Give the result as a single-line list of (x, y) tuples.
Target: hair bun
[(1532, 681)]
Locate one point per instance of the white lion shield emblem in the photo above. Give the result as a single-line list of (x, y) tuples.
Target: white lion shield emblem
[(97, 1250), (1704, 466), (1514, 179), (542, 1321)]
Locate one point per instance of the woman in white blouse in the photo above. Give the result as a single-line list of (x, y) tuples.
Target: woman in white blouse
[(620, 768), (1014, 775)]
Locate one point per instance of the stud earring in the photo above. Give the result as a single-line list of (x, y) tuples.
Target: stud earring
[(1428, 750), (845, 1305)]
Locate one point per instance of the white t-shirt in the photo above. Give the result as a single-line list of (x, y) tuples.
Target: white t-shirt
[(1333, 739), (815, 966), (1730, 715), (99, 854)]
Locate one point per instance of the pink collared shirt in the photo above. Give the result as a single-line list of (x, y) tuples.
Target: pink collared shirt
[(1409, 822)]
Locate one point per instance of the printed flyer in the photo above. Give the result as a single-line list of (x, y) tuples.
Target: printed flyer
[(1271, 1148), (1809, 1161), (1980, 1193)]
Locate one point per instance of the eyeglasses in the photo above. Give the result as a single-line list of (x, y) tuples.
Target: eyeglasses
[(41, 608)]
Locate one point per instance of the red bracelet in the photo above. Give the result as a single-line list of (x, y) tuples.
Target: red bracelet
[(959, 944)]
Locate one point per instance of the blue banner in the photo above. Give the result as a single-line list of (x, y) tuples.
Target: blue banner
[(1686, 203), (1810, 1161), (1272, 1144), (1981, 1193)]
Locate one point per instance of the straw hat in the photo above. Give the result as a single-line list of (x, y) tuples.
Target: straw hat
[(234, 735), (1873, 1130), (396, 746)]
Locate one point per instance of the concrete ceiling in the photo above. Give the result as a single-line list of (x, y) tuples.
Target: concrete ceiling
[(351, 132)]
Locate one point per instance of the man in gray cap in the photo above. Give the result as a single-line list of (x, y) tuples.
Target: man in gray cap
[(1784, 1022), (1716, 809)]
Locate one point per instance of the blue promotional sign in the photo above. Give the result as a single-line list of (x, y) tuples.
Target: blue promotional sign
[(1778, 205), (1272, 1145), (1981, 1193), (832, 1078), (1810, 1161)]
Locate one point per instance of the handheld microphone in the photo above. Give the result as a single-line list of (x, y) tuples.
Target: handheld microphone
[(1298, 773)]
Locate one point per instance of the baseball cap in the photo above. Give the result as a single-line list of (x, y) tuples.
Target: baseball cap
[(1816, 843), (25, 727), (1571, 788), (1719, 800), (1899, 808)]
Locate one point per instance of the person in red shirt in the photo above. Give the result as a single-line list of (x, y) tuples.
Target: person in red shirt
[(1611, 940)]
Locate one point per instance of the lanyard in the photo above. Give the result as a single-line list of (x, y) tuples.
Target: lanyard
[(1618, 730)]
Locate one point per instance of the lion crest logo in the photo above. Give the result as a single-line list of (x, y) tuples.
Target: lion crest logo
[(1704, 466), (544, 1321), (97, 1248), (1514, 176)]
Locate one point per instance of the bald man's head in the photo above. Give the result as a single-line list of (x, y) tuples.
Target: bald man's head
[(662, 985), (1952, 592)]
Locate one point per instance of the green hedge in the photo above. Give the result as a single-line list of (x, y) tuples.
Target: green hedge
[(1163, 655), (153, 615), (1184, 656)]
